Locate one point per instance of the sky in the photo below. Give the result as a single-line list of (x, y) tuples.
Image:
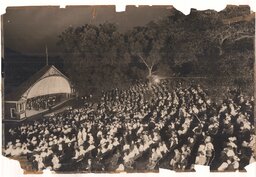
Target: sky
[(28, 30)]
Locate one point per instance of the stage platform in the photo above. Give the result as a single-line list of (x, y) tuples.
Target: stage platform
[(33, 114)]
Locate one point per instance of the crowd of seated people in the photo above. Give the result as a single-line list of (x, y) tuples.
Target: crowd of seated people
[(42, 102), (141, 128)]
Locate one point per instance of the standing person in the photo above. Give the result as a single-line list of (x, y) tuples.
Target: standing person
[(176, 159), (55, 162), (209, 149)]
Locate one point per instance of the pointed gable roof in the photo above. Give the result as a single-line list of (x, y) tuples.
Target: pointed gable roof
[(25, 86)]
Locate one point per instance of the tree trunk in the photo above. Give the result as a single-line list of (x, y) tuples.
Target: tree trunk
[(220, 51), (149, 77), (149, 73)]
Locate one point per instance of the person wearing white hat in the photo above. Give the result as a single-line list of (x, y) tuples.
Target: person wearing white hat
[(34, 141), (24, 149), (8, 150), (17, 149)]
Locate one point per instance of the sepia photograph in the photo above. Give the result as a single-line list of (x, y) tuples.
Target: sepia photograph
[(87, 89)]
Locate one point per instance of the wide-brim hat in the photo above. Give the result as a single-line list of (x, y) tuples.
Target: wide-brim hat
[(232, 138), (18, 144), (208, 139)]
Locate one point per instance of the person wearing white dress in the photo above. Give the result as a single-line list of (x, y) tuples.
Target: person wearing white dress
[(55, 162)]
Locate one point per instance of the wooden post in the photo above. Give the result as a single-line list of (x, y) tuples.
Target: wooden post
[(46, 52)]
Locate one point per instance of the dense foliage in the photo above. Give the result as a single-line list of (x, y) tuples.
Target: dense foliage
[(203, 44)]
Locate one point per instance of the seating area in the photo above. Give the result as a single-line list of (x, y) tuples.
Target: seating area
[(141, 128)]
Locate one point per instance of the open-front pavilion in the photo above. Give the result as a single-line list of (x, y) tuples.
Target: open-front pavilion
[(43, 91)]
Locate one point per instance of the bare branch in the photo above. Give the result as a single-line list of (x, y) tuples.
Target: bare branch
[(153, 63), (245, 36), (144, 62), (223, 38)]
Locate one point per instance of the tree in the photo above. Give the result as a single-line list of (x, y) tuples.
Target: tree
[(201, 44), (231, 32), (145, 44), (92, 56)]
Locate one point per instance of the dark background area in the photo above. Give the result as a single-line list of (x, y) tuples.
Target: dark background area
[(201, 44), (27, 31)]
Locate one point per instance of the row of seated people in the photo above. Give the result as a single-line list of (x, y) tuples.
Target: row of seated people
[(142, 128), (41, 102)]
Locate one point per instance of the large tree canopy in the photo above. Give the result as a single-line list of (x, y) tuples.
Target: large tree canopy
[(94, 56), (202, 44)]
